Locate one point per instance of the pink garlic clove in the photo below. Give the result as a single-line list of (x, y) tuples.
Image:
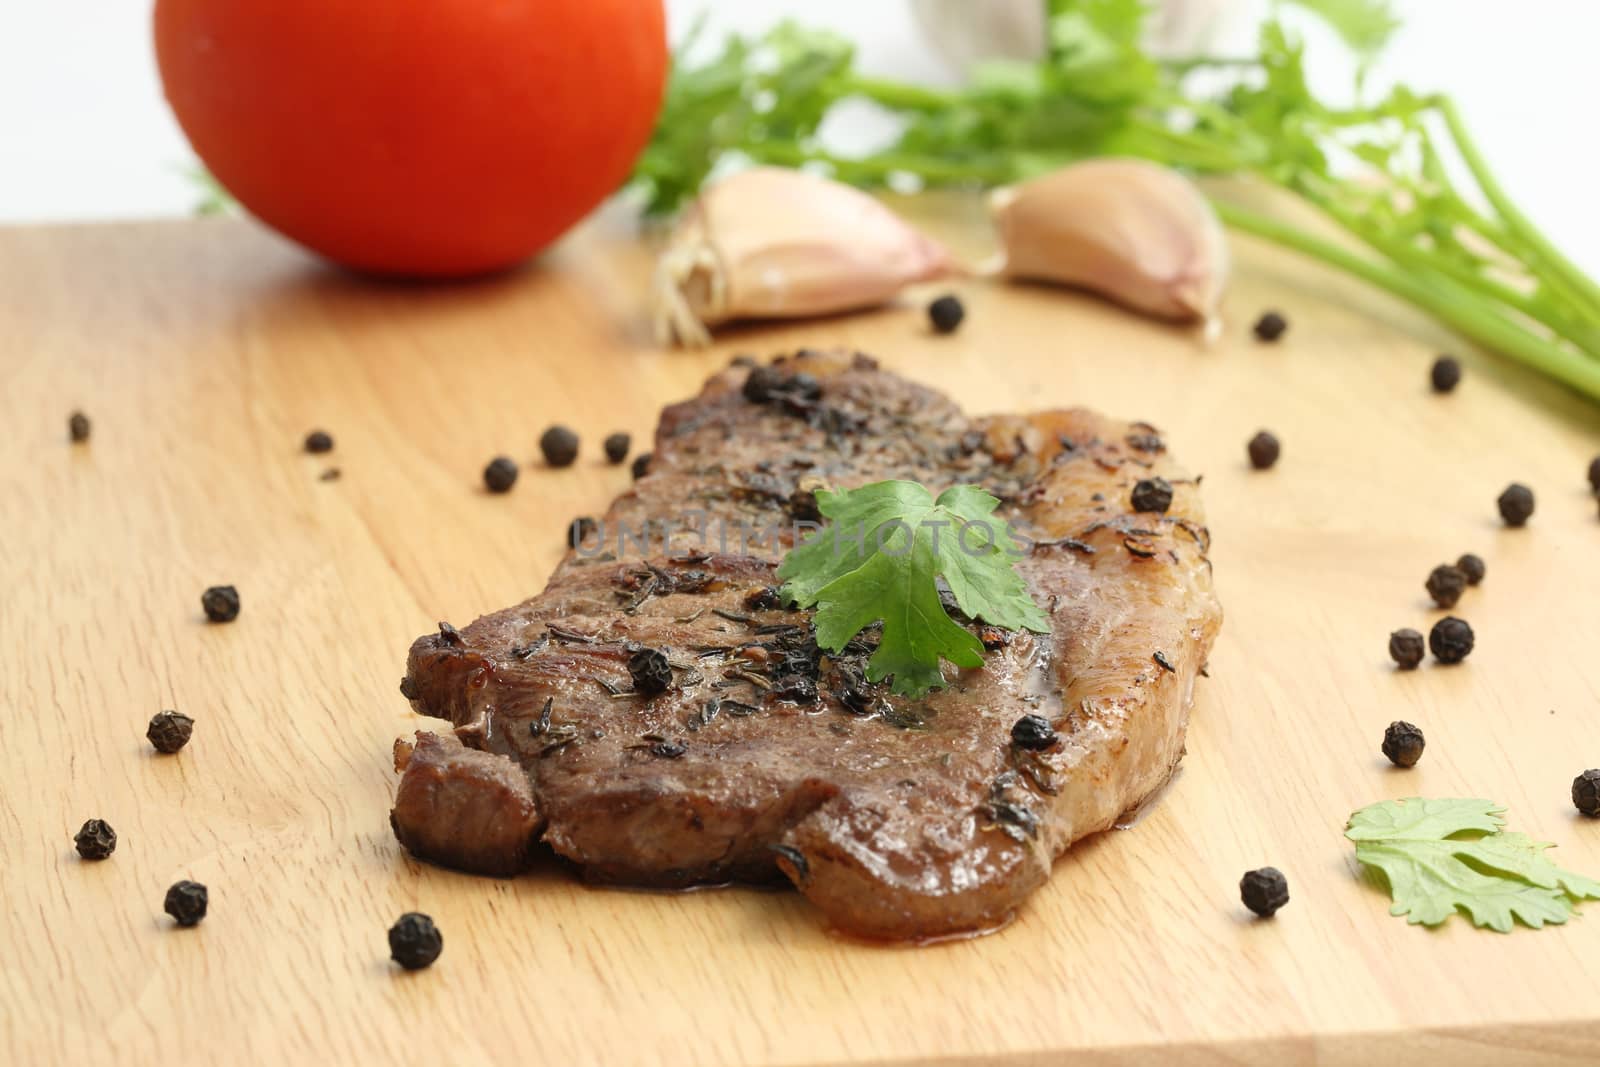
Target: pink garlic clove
[(1134, 231), (771, 243)]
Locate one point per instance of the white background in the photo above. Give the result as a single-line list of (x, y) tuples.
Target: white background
[(84, 133)]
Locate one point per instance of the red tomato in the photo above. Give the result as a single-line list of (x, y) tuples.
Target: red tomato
[(418, 137)]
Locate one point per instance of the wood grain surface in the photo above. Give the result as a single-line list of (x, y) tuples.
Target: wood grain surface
[(204, 352)]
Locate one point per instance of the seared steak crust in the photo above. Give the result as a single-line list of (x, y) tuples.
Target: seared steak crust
[(900, 819)]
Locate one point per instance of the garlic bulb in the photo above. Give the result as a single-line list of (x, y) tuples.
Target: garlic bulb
[(776, 243), (1134, 231)]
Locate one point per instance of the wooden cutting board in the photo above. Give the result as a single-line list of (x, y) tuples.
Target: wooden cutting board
[(205, 351)]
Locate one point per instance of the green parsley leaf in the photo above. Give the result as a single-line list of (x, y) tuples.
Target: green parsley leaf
[(1365, 26), (880, 560), (1444, 856)]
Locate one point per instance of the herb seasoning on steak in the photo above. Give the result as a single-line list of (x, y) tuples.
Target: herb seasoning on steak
[(1033, 732), (898, 818), (650, 671), (1152, 494)]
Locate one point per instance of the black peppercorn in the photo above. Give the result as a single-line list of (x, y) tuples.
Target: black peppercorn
[(1445, 374), (96, 839), (762, 383), (766, 598), (500, 475), (1264, 891), (559, 446), (78, 427), (1406, 648), (946, 313), (1585, 793), (580, 528), (1140, 441), (803, 504), (651, 672), (221, 603), (641, 465), (414, 942), (800, 393), (1594, 474), (1264, 450), (796, 688), (186, 902), (169, 731), (1516, 504), (1445, 584), (1450, 639), (1033, 732), (1472, 566), (1271, 326), (1152, 494), (616, 447), (318, 441), (1402, 743)]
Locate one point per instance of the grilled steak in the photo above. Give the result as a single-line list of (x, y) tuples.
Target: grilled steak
[(658, 717)]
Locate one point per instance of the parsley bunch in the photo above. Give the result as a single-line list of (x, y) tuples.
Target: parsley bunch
[(1461, 252)]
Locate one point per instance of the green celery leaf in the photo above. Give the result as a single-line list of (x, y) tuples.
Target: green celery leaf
[(880, 559), (1449, 855)]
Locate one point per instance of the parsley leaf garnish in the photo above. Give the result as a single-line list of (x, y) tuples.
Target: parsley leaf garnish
[(880, 560), (1444, 856)]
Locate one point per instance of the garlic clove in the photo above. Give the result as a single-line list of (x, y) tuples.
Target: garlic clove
[(1133, 231), (777, 243)]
